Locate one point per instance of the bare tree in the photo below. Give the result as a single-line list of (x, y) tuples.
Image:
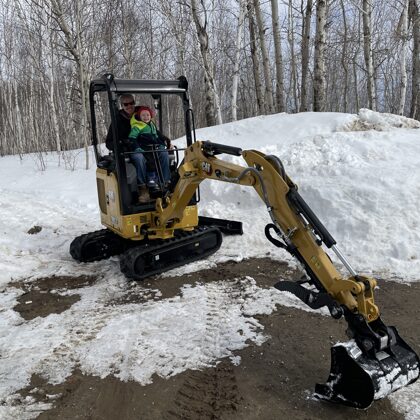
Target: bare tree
[(319, 72), (239, 41), (415, 87), (344, 57), (280, 106), (212, 99), (293, 65), (12, 105), (265, 58), (83, 76), (368, 54), (355, 66), (402, 31), (306, 34), (173, 16), (128, 36), (261, 103)]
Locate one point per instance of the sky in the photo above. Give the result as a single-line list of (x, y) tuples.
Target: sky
[(359, 173)]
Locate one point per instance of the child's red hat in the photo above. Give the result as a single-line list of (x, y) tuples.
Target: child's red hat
[(144, 108)]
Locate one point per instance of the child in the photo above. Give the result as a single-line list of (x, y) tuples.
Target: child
[(144, 136)]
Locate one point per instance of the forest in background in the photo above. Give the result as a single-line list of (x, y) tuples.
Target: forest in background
[(242, 58)]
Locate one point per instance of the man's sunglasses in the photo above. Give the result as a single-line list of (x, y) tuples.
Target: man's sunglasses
[(128, 103)]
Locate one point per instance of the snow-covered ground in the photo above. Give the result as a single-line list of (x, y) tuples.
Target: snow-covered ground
[(359, 173)]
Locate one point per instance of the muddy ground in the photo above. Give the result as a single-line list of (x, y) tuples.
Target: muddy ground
[(274, 380)]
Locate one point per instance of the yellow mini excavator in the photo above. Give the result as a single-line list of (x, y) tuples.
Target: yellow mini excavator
[(166, 232)]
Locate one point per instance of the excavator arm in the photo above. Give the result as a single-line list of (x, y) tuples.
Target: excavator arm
[(376, 361), (284, 205)]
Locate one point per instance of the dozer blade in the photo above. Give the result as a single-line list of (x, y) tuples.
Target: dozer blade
[(357, 379), (228, 227)]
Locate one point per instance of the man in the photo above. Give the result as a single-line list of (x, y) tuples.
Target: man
[(123, 130), (123, 120)]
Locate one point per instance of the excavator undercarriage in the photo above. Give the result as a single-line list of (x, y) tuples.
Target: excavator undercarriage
[(145, 258), (166, 233)]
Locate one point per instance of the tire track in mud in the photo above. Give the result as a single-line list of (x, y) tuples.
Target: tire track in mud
[(212, 392), (208, 394), (67, 355)]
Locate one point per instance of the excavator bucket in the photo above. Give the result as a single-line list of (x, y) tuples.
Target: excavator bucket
[(357, 379)]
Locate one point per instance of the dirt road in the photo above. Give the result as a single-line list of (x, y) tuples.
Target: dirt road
[(274, 380)]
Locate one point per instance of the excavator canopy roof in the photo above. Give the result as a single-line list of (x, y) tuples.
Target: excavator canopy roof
[(178, 86)]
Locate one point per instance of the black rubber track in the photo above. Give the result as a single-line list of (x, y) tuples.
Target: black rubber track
[(155, 257), (96, 246)]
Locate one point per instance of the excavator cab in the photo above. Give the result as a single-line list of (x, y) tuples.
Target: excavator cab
[(151, 238), (130, 226), (104, 96)]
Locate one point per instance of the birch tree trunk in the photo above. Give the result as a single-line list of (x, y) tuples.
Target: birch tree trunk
[(356, 52), (368, 53), (415, 87), (403, 33), (291, 40), (265, 58), (83, 82), (239, 39), (344, 58), (319, 72), (306, 34), (280, 107), (18, 119), (212, 99), (128, 37), (174, 15), (261, 104), (54, 112)]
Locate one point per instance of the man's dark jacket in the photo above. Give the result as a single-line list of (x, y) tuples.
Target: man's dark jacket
[(123, 127)]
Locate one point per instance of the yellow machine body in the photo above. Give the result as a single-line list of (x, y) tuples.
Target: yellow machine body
[(133, 226)]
